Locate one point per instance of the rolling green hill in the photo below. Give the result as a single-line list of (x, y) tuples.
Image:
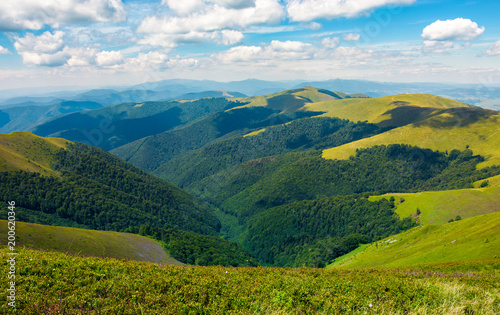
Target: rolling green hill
[(292, 100), (27, 152), (23, 116), (88, 242), (469, 239), (91, 188), (117, 125), (452, 129), (396, 110), (438, 207)]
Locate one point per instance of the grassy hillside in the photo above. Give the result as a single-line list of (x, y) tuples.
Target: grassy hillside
[(396, 110), (25, 151), (117, 125), (88, 242), (438, 207), (469, 239), (457, 129), (91, 188), (50, 282), (292, 100)]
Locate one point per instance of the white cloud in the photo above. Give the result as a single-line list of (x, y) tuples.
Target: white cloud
[(109, 58), (308, 10), (351, 36), (44, 50), (330, 42), (46, 43), (198, 26), (155, 60), (50, 50), (228, 37), (450, 30), (82, 57), (313, 26), (437, 46), (4, 51), (494, 50), (186, 7), (241, 53), (276, 50), (34, 14)]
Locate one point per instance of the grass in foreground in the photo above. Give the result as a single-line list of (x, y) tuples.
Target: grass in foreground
[(88, 242), (55, 283), (473, 238)]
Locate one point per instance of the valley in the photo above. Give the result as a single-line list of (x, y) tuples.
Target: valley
[(305, 177)]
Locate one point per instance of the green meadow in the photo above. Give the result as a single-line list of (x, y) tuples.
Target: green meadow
[(87, 242), (469, 239)]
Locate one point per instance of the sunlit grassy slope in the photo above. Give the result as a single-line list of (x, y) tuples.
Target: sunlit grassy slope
[(452, 129), (469, 239), (25, 151), (54, 283), (396, 110), (438, 207), (87, 242), (292, 100)]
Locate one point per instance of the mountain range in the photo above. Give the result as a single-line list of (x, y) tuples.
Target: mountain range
[(294, 178)]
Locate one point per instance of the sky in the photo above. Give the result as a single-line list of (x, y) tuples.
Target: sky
[(94, 43)]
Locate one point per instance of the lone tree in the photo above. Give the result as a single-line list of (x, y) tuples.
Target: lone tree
[(418, 211)]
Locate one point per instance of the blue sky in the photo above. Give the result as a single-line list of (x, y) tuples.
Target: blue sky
[(121, 42)]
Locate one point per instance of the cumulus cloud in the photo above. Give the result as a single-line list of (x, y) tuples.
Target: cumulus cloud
[(287, 50), (185, 7), (351, 36), (158, 60), (44, 50), (451, 30), (228, 37), (206, 21), (494, 50), (330, 42), (437, 46), (109, 58), (34, 14), (50, 50), (4, 51), (308, 10)]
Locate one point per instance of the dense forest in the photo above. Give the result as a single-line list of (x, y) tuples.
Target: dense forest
[(196, 249), (152, 152), (312, 233), (265, 183), (99, 191), (297, 135)]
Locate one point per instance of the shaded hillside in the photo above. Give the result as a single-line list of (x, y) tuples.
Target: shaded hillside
[(469, 239), (297, 135), (116, 125), (395, 168), (152, 152), (22, 117), (88, 242), (91, 188), (457, 128)]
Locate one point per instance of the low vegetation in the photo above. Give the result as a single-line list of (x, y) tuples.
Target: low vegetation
[(55, 283), (87, 242), (462, 240)]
